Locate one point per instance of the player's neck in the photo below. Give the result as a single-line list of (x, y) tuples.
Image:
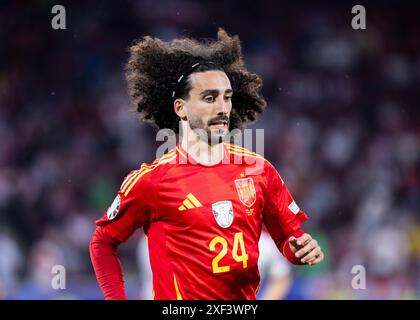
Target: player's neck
[(201, 151)]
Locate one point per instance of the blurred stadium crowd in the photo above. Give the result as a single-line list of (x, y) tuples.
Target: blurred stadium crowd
[(342, 127)]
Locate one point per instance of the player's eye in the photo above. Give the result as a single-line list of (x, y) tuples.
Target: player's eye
[(209, 99), (227, 98)]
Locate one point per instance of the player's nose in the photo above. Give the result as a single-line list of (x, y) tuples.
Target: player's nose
[(222, 106)]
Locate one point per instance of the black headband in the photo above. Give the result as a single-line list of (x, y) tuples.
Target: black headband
[(192, 69)]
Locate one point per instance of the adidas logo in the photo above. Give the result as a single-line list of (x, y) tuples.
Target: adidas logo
[(190, 203)]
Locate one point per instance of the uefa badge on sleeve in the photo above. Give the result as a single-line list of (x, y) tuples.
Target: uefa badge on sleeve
[(223, 213), (114, 208)]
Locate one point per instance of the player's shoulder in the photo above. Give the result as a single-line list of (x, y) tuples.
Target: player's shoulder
[(161, 162), (236, 150), (251, 158), (147, 173)]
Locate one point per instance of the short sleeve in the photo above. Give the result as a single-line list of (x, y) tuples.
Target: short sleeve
[(282, 216), (131, 208)]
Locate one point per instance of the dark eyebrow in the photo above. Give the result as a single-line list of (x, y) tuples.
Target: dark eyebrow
[(213, 92)]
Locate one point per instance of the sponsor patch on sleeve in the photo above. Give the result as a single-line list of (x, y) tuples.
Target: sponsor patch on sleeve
[(294, 207)]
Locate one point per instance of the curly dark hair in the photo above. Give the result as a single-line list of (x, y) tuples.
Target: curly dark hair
[(155, 67)]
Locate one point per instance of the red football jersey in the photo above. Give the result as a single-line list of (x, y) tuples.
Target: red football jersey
[(203, 223)]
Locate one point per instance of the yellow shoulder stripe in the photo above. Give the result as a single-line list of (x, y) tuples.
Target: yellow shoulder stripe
[(129, 178), (244, 153), (146, 169), (181, 153), (235, 148), (165, 156)]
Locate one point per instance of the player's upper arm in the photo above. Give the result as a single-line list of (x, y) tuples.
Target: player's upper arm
[(281, 214), (131, 208)]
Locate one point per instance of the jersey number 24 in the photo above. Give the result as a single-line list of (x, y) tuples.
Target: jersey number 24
[(238, 243)]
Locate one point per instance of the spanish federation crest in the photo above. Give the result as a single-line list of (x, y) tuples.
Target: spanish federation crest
[(114, 208), (223, 213), (246, 191)]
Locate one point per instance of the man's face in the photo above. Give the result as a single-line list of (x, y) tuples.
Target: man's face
[(210, 104)]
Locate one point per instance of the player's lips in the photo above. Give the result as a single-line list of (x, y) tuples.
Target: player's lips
[(219, 125)]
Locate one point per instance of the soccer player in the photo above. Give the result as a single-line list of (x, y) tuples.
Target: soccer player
[(201, 205)]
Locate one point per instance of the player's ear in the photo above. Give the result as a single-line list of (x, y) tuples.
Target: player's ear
[(179, 107)]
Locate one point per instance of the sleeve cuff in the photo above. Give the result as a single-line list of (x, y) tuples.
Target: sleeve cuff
[(285, 247)]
